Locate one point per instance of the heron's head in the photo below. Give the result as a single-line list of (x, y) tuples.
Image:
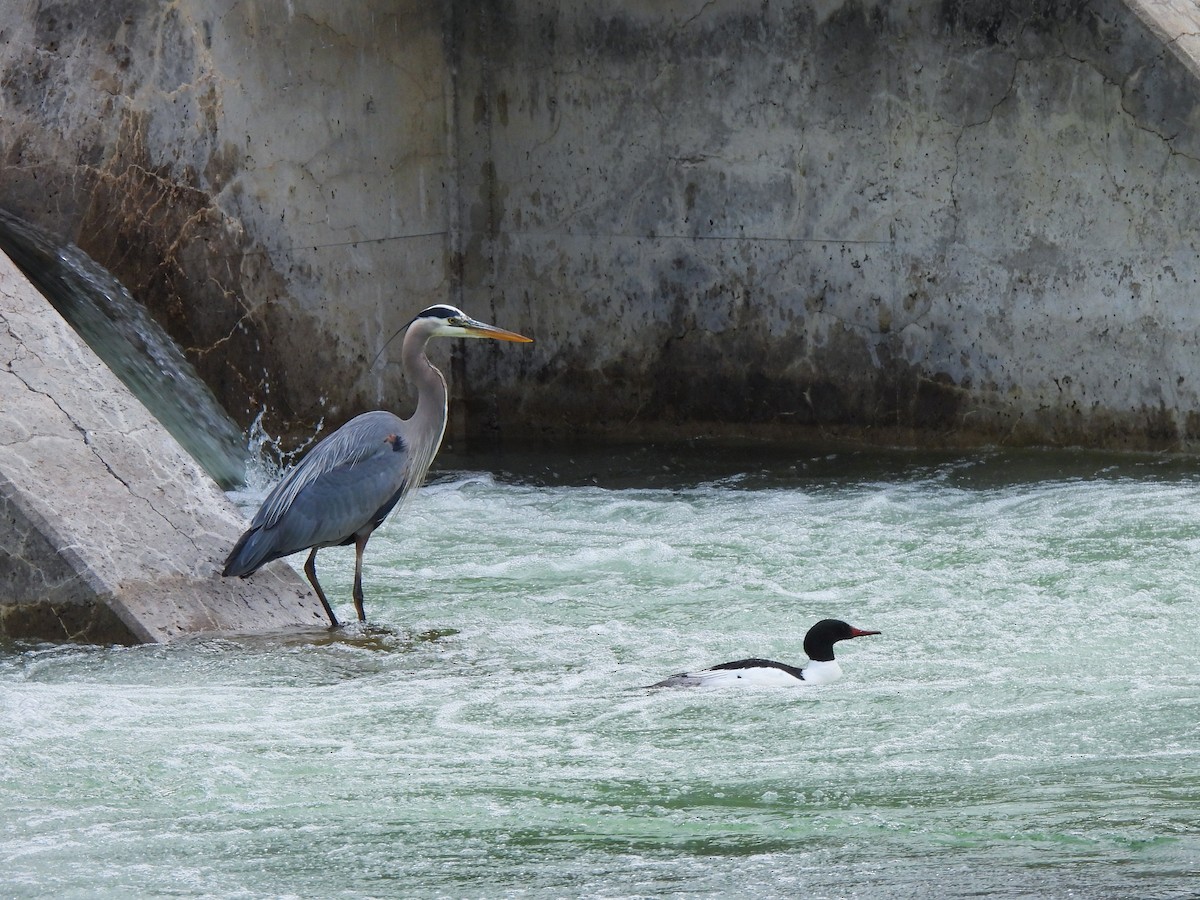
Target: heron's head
[(447, 321)]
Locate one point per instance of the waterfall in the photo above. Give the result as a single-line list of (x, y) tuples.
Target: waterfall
[(133, 345)]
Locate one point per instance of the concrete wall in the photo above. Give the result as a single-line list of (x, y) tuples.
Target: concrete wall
[(270, 178), (934, 222)]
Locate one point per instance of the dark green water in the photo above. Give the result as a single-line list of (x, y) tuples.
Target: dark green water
[(1027, 725)]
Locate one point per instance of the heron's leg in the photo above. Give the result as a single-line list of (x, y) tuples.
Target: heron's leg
[(310, 569), (360, 544)]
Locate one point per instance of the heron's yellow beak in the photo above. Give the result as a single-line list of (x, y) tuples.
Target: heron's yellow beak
[(483, 330)]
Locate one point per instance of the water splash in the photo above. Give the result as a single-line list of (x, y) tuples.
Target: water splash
[(133, 345), (268, 462), (268, 459)]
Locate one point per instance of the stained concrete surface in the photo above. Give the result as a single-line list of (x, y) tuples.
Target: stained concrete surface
[(109, 531), (925, 223), (918, 222), (268, 178)]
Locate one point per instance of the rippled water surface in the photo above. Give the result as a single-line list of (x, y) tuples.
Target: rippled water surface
[(1027, 725)]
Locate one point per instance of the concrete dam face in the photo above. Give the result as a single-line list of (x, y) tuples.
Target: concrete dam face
[(925, 223), (916, 222)]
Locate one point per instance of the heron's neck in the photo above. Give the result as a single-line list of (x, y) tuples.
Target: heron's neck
[(429, 420)]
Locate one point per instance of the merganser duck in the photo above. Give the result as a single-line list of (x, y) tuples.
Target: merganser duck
[(822, 668)]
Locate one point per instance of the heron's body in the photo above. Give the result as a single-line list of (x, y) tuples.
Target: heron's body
[(822, 668), (349, 483), (323, 501)]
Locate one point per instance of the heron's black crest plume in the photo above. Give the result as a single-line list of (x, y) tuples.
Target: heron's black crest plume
[(437, 311)]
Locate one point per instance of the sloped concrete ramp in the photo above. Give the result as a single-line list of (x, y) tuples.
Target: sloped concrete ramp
[(1176, 23), (109, 531)]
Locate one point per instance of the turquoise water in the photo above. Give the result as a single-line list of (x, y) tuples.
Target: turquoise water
[(1027, 725)]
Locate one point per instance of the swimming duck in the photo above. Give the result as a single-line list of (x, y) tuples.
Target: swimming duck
[(822, 668)]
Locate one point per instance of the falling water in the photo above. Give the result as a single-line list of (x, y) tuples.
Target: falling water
[(132, 344)]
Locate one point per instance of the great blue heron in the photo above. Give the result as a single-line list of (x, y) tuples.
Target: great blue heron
[(822, 668), (345, 487)]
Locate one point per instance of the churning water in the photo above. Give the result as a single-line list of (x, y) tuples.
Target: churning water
[(1027, 725)]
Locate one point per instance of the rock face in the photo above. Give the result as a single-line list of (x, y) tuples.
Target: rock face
[(909, 220), (109, 532)]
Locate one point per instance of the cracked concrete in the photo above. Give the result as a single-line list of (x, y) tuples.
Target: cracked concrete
[(1177, 25), (109, 531)]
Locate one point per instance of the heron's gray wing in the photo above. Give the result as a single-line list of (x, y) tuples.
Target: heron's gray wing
[(365, 437), (331, 508)]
